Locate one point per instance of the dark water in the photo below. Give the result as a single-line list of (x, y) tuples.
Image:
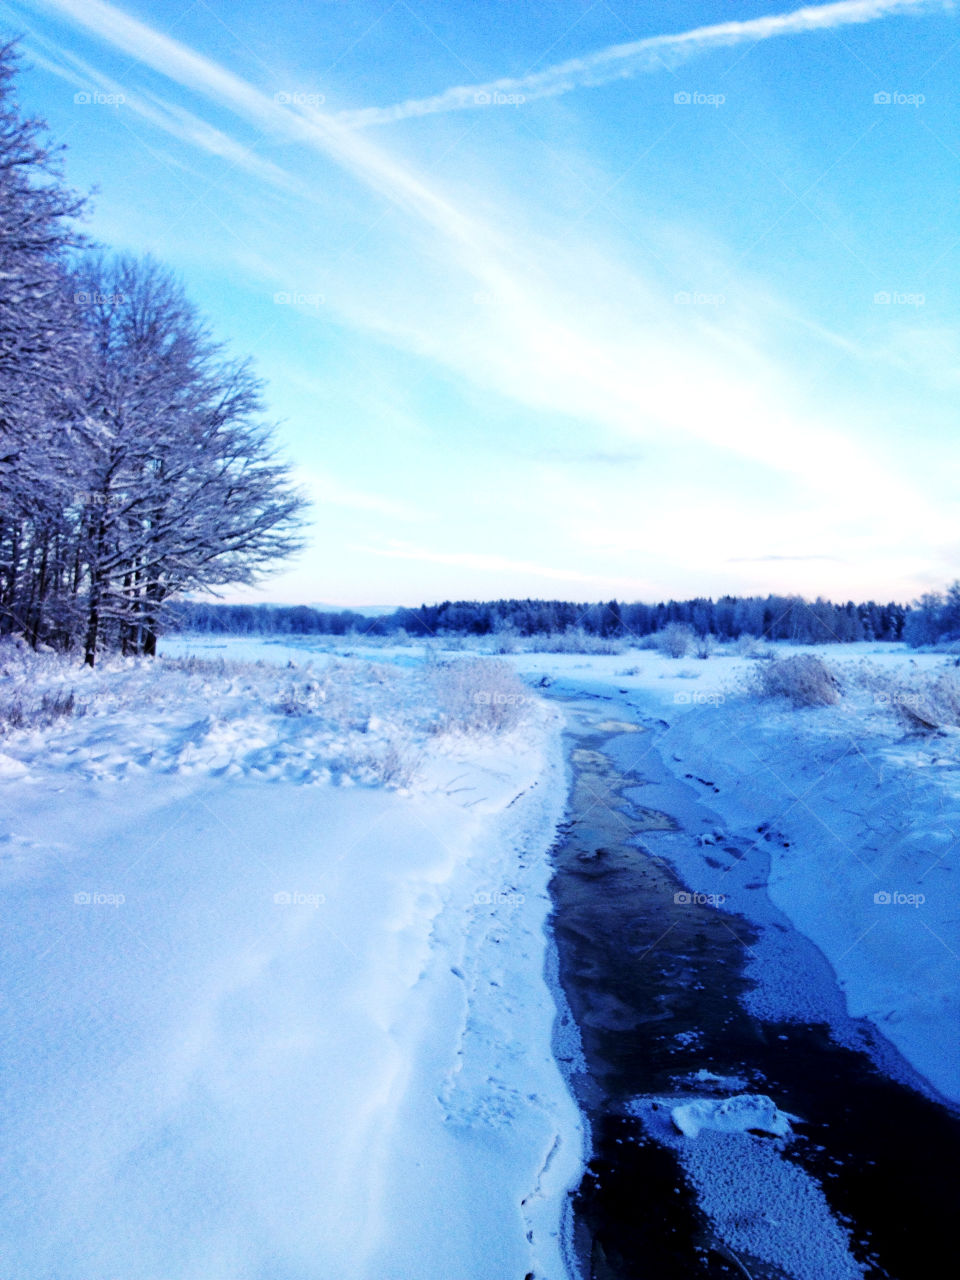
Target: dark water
[(657, 988)]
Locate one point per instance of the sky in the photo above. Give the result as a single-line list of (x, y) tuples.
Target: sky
[(569, 300)]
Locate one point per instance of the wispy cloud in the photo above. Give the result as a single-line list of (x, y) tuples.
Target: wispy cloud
[(623, 61), (268, 113), (170, 118), (542, 346)]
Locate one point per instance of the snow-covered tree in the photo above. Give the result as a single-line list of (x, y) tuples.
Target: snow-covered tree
[(183, 490), (40, 345), (135, 463)]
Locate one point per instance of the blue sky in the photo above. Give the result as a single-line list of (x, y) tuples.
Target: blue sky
[(577, 300)]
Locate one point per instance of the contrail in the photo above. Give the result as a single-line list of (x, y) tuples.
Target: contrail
[(623, 61)]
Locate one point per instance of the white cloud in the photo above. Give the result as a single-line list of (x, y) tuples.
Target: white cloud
[(623, 61), (571, 334)]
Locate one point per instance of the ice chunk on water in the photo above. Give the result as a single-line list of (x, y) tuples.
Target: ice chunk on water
[(743, 1113)]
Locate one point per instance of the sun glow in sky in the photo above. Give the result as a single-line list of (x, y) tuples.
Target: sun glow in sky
[(576, 299)]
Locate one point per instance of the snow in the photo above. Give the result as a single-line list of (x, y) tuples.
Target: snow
[(743, 1113), (760, 1204), (861, 817), (280, 999), (266, 1015), (861, 829), (860, 823)]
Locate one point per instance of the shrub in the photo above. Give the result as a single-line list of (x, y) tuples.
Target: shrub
[(478, 695), (574, 640), (923, 704), (804, 679), (675, 640), (748, 646)]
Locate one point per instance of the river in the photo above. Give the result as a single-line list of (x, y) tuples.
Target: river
[(677, 996)]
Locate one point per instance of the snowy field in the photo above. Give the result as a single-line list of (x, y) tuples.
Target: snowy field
[(276, 1003), (275, 995), (860, 808)]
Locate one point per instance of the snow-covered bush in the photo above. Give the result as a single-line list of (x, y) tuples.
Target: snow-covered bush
[(389, 765), (804, 679), (574, 640), (922, 703), (747, 646), (675, 640), (477, 695)]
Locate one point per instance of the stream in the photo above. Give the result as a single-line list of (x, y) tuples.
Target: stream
[(664, 984)]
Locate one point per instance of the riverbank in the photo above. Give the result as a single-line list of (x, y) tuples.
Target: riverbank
[(264, 1015)]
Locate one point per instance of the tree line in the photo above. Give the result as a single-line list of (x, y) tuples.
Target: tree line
[(935, 619), (135, 460), (728, 618)]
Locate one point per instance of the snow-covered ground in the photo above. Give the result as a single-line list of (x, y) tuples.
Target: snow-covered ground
[(861, 813), (861, 823), (275, 994)]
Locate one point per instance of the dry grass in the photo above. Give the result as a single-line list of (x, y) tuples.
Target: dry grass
[(803, 679), (19, 711), (923, 703)]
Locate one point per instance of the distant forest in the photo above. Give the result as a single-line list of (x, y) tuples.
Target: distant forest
[(730, 617)]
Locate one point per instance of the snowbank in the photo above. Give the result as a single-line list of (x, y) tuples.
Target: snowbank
[(262, 1016)]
